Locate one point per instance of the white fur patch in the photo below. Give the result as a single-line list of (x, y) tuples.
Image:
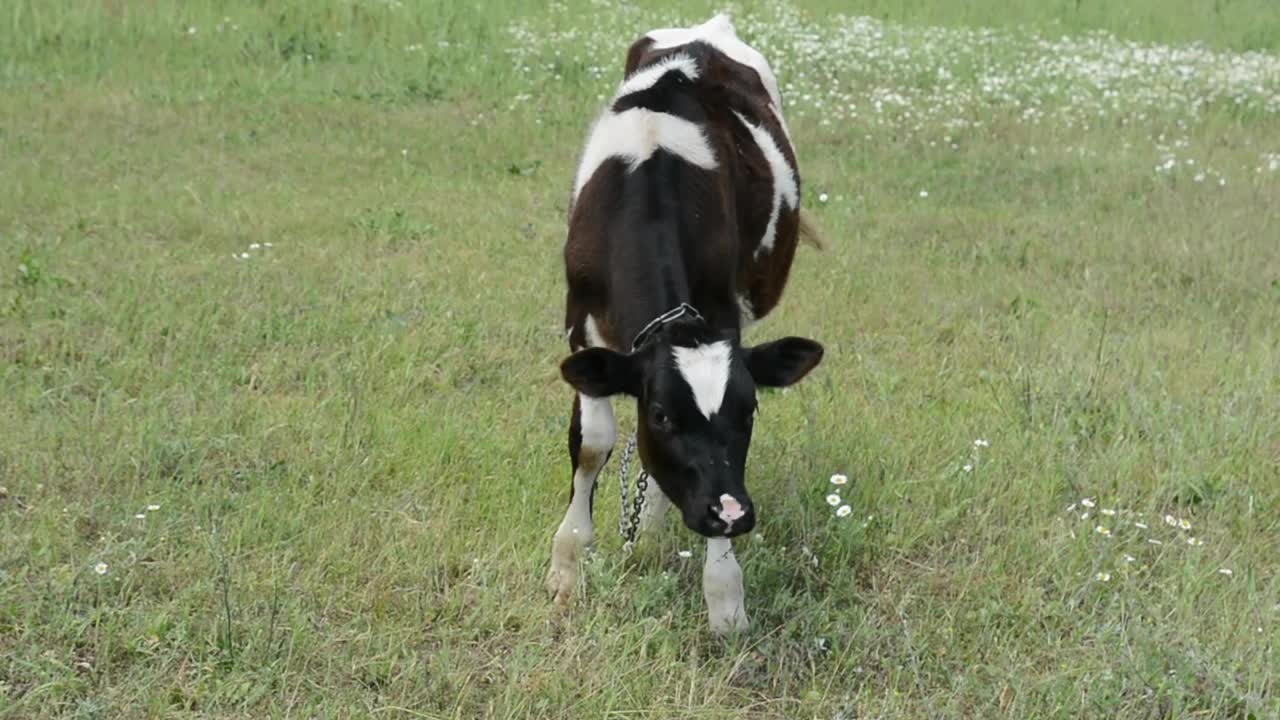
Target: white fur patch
[(722, 588), (745, 311), (599, 431), (635, 135), (718, 32), (648, 77), (592, 331), (706, 369), (784, 181)]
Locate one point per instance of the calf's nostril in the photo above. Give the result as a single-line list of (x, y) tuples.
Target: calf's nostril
[(729, 509)]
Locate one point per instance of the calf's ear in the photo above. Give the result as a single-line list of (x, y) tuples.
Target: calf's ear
[(600, 372), (783, 362)]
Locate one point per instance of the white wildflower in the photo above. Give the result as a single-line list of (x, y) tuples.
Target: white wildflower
[(843, 511), (1103, 577), (839, 479), (686, 554), (100, 568), (833, 499), (1087, 502)]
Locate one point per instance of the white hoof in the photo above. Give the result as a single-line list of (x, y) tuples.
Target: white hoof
[(728, 619), (563, 573)]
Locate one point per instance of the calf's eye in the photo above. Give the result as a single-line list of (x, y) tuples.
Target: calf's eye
[(660, 418)]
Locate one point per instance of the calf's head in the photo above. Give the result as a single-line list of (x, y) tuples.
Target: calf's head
[(696, 402)]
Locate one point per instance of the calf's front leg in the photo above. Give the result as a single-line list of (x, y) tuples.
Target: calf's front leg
[(592, 432), (722, 588), (655, 507)]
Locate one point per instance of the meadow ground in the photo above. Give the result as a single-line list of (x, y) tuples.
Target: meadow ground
[(282, 435)]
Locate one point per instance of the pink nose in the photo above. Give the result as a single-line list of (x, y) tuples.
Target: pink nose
[(730, 509)]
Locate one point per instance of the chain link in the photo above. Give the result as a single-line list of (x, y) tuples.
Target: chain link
[(629, 524)]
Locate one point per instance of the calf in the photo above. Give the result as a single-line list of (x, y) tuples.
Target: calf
[(683, 225)]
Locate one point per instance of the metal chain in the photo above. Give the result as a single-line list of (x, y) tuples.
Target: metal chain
[(629, 525), (642, 484), (624, 468)]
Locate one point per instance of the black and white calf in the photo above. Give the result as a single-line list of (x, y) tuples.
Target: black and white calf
[(686, 199)]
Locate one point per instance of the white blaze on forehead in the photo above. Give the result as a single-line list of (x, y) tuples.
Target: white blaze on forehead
[(784, 180), (635, 135), (706, 369)]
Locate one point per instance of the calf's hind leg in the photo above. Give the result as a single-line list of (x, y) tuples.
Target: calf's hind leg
[(592, 432)]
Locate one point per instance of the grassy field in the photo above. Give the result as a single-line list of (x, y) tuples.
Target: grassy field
[(282, 433)]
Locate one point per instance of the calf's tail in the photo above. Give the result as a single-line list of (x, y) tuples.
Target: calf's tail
[(809, 232)]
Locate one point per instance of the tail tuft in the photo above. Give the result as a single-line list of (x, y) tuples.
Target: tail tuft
[(809, 232)]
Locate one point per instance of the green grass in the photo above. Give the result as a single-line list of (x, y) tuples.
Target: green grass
[(356, 436)]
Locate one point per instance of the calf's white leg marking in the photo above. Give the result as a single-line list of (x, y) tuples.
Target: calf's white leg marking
[(722, 588), (745, 311), (706, 369), (592, 331), (655, 507), (599, 431)]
